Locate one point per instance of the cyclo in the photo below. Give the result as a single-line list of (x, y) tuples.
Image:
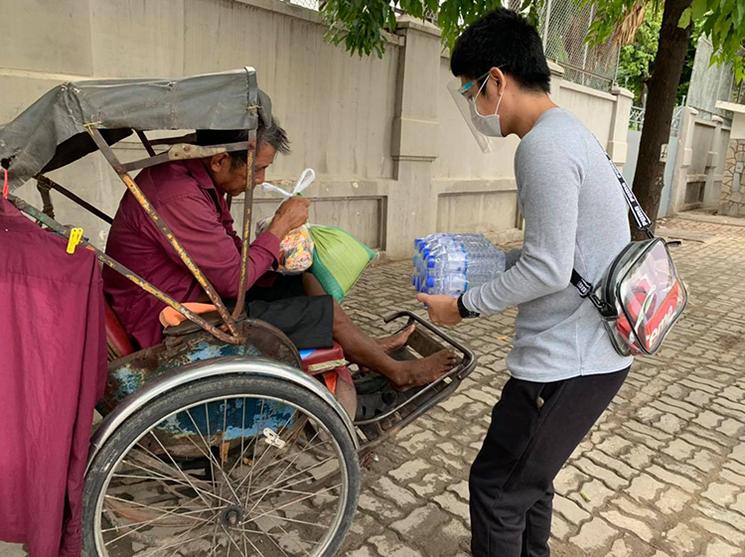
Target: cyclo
[(224, 438)]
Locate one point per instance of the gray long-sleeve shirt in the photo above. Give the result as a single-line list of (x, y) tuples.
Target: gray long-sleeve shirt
[(575, 217)]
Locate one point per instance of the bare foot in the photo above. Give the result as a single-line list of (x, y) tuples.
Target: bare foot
[(414, 373), (394, 342)]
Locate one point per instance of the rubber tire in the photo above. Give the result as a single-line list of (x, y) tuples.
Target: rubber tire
[(206, 389)]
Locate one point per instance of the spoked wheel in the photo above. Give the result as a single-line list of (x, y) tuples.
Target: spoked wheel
[(235, 465)]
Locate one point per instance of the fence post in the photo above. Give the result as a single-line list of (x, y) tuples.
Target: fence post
[(683, 159), (557, 75), (412, 203), (619, 125), (713, 186)]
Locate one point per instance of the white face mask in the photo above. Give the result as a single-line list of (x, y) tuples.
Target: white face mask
[(489, 124)]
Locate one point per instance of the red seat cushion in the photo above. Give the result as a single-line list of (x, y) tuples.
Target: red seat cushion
[(322, 359), (117, 339)]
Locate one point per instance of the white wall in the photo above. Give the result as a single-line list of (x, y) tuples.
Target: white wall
[(392, 153)]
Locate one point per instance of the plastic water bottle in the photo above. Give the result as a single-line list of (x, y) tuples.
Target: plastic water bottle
[(451, 263), (452, 285)]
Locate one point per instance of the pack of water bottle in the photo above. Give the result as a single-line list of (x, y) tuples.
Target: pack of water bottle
[(446, 263)]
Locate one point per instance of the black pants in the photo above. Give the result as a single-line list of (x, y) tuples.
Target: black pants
[(535, 427)]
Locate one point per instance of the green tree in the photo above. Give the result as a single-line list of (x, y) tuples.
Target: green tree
[(635, 59), (359, 25)]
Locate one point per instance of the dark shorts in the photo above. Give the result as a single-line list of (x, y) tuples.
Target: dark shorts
[(307, 320)]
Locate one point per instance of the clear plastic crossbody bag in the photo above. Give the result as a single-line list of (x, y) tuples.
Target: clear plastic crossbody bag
[(641, 296)]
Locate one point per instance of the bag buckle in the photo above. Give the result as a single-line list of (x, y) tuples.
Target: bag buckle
[(606, 310)]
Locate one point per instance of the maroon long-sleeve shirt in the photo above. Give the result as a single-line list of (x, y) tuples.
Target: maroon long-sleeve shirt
[(196, 211)]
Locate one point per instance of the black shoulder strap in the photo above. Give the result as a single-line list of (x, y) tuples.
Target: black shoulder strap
[(641, 219), (643, 222)]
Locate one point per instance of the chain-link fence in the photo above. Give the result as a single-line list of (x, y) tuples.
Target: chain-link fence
[(564, 26), (709, 83)]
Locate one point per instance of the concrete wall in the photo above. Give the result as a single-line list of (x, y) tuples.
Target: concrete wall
[(394, 158), (698, 163)]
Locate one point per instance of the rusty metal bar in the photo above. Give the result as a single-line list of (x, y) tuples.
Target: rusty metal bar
[(145, 142), (164, 228), (253, 149), (48, 184), (46, 199), (60, 229), (240, 303), (183, 151)]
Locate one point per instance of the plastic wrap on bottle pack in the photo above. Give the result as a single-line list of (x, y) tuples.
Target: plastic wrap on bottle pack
[(450, 264)]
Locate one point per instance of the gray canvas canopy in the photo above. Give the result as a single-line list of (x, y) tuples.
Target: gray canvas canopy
[(51, 133)]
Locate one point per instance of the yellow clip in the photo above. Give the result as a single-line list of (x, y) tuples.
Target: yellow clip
[(76, 234)]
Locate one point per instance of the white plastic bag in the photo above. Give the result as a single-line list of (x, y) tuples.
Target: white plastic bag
[(295, 249)]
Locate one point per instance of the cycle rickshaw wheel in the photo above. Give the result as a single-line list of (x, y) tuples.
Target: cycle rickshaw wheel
[(235, 465)]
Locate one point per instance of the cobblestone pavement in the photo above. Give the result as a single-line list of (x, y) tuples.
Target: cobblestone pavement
[(662, 474)]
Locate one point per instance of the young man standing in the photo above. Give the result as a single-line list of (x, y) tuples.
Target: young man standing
[(564, 370)]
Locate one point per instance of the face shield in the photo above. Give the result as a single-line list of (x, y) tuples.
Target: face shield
[(464, 96)]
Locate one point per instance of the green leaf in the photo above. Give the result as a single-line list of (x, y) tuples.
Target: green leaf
[(698, 9), (685, 18)]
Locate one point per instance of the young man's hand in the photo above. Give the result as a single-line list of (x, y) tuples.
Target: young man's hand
[(290, 215), (443, 310)]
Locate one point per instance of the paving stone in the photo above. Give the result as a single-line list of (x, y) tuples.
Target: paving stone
[(632, 525), (673, 500), (420, 522), (721, 529), (720, 493), (613, 480), (592, 495), (452, 504), (682, 538), (400, 496), (619, 549), (364, 551), (739, 504), (721, 549), (570, 510), (726, 516), (560, 528), (732, 477), (678, 448), (389, 545), (738, 453), (410, 469), (378, 507), (569, 479), (430, 483), (454, 403), (634, 509), (644, 487), (639, 457), (705, 460), (731, 427), (666, 460), (709, 419), (594, 535), (419, 441), (669, 477)]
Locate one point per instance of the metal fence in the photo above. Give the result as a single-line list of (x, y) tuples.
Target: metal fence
[(636, 118), (709, 83), (564, 26)]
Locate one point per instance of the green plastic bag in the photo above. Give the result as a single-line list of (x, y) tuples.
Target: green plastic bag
[(339, 259)]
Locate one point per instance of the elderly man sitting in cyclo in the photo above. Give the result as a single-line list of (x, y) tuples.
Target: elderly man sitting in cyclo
[(190, 196)]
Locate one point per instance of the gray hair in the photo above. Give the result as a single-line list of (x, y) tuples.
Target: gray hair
[(273, 135)]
